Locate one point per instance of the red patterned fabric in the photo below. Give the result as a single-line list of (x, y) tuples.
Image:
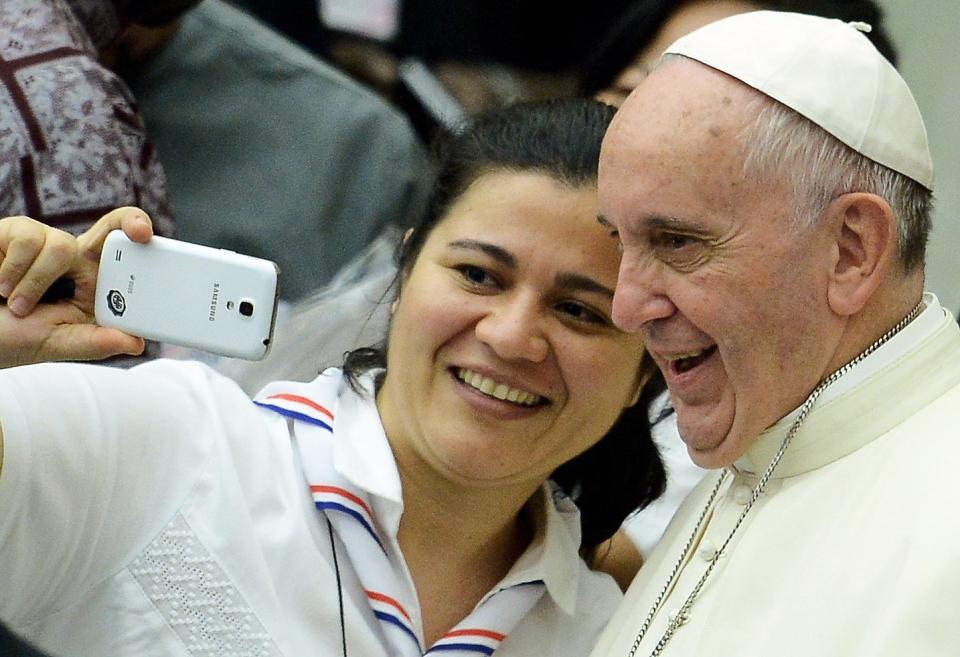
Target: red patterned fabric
[(72, 144)]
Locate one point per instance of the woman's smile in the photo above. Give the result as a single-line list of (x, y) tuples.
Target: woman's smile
[(492, 388)]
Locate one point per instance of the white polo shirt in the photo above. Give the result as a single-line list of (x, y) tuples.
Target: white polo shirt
[(159, 512)]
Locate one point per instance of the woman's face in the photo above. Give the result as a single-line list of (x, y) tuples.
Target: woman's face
[(503, 362)]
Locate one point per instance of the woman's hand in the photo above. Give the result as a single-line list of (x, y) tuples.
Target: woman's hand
[(32, 257)]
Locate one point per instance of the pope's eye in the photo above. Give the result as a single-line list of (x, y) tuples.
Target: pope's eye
[(681, 251), (675, 241)]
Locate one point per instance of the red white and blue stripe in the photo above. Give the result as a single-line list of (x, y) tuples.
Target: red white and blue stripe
[(340, 500), (394, 616), (297, 407), (468, 640), (372, 552)]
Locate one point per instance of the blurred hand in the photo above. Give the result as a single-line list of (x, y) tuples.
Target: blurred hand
[(33, 256)]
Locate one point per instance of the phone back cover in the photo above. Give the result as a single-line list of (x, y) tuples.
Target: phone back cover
[(186, 294)]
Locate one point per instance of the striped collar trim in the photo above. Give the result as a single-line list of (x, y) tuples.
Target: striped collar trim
[(481, 642), (298, 407)]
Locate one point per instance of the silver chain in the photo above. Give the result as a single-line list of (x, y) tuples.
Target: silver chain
[(683, 614)]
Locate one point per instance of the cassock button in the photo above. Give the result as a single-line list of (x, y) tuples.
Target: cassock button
[(741, 494), (707, 551)]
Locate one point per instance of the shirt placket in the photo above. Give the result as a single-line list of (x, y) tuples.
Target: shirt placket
[(707, 548)]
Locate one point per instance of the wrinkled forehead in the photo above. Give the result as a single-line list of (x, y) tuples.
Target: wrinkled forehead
[(682, 114), (682, 93), (678, 147)]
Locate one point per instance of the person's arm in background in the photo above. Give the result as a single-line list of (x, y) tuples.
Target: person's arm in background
[(619, 558)]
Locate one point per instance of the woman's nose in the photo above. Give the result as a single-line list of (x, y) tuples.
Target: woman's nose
[(513, 328)]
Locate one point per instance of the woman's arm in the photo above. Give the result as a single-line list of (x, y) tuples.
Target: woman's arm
[(32, 257)]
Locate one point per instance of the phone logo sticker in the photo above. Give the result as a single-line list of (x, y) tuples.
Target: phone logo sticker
[(116, 303)]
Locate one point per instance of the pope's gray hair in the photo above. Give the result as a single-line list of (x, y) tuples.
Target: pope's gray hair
[(784, 147)]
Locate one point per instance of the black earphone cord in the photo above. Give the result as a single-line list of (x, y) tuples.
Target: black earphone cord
[(336, 569)]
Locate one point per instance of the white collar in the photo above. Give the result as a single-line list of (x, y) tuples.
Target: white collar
[(891, 351), (362, 454), (847, 419)]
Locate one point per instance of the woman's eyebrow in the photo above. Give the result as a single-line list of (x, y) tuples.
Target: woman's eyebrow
[(566, 280), (579, 282), (603, 221), (497, 253)]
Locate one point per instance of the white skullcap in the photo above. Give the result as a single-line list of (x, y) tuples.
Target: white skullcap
[(829, 72)]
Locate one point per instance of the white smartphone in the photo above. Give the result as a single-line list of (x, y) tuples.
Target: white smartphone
[(186, 294)]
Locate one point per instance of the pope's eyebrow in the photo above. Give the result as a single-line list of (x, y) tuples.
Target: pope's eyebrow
[(660, 222), (497, 253), (581, 283)]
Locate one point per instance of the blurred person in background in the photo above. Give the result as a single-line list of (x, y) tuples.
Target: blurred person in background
[(634, 42), (438, 60), (268, 150), (72, 142)]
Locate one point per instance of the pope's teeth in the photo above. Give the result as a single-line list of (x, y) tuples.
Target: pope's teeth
[(692, 354), (497, 390)]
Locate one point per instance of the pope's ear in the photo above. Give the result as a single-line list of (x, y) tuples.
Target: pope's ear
[(864, 233)]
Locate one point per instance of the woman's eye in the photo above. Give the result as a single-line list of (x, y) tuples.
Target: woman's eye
[(475, 275), (581, 313)]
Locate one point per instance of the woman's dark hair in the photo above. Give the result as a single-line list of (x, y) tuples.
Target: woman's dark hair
[(561, 139), (641, 21)]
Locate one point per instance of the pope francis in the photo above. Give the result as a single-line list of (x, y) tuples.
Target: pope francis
[(771, 185)]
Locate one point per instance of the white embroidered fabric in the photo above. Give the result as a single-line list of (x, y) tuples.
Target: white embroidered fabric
[(196, 598)]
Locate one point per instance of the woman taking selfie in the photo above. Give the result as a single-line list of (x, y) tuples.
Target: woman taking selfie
[(422, 499)]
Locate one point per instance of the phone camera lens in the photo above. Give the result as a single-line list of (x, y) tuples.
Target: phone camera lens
[(246, 308)]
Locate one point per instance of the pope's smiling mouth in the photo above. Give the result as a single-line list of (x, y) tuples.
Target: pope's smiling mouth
[(498, 390), (681, 363)]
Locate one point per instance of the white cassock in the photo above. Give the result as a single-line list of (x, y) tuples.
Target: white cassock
[(853, 549)]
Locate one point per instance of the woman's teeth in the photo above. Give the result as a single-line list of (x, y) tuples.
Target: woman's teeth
[(500, 391)]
